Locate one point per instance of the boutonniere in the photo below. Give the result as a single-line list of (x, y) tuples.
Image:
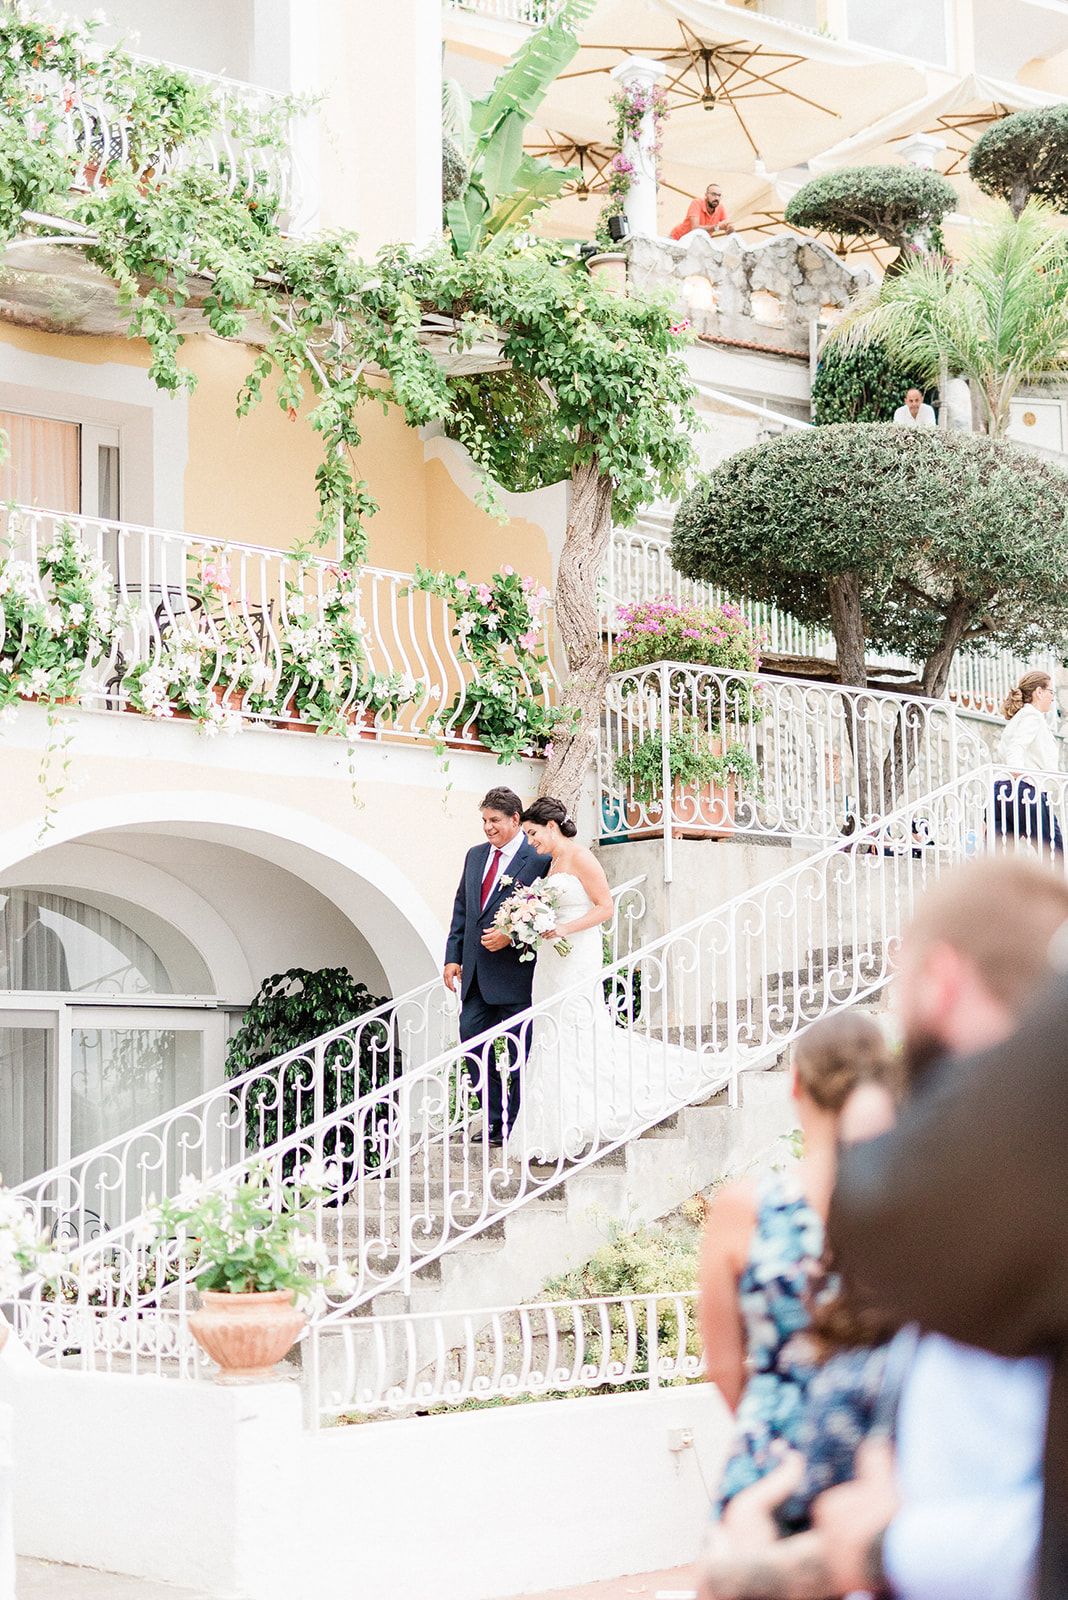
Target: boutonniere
[(504, 880)]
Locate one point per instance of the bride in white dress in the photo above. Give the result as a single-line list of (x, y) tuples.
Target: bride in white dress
[(585, 1080)]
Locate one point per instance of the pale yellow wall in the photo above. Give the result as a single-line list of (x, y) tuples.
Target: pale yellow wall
[(462, 536), (251, 479)]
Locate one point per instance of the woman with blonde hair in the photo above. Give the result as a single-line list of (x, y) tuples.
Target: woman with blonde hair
[(762, 1269), (1027, 747)]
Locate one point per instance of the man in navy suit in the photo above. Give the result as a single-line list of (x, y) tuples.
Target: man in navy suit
[(482, 964)]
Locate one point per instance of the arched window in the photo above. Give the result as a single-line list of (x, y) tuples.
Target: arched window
[(49, 941)]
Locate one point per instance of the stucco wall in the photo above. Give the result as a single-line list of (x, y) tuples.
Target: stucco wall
[(251, 478)]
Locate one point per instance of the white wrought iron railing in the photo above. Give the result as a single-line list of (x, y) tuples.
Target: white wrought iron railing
[(250, 146), (532, 12), (110, 1186), (400, 1365), (248, 621), (668, 1026), (639, 568), (807, 761)]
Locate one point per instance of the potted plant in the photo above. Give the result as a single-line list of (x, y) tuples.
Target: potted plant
[(254, 1255), (324, 685), (182, 679), (705, 782)]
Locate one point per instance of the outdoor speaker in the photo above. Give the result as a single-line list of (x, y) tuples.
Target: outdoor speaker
[(618, 228)]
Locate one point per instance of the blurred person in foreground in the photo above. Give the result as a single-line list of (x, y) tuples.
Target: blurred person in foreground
[(762, 1270), (952, 1511)]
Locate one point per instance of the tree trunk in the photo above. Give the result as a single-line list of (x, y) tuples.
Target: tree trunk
[(1019, 195), (935, 673), (589, 527), (847, 625)]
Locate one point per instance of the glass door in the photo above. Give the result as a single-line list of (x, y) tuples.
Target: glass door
[(27, 1093), (129, 1065)]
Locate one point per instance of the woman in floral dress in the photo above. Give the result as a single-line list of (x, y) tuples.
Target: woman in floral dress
[(761, 1264)]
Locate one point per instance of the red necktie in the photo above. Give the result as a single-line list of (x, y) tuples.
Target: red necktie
[(491, 873)]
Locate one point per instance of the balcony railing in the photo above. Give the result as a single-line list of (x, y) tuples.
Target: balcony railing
[(695, 752), (244, 631), (371, 1366), (531, 12), (250, 146), (639, 568)]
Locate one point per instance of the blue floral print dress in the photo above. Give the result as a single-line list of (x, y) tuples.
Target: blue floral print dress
[(775, 1295)]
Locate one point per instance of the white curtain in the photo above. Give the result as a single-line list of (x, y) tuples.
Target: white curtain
[(43, 464), (54, 942)]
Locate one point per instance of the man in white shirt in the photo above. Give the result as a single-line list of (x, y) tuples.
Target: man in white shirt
[(915, 413)]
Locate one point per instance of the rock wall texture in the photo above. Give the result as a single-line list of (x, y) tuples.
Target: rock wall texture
[(769, 293)]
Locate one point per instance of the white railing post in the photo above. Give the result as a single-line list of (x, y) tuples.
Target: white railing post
[(652, 1347), (404, 1183), (733, 1009), (666, 785)]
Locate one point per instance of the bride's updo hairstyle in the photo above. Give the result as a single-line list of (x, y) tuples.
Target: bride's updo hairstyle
[(1023, 693), (549, 810)]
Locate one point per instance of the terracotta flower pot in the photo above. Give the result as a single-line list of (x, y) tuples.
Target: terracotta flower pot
[(470, 739), (247, 1334), (362, 723), (697, 812)]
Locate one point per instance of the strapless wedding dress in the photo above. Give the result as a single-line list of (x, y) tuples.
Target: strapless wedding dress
[(586, 1079)]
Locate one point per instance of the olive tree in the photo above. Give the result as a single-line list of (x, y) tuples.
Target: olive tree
[(1024, 157), (915, 541), (898, 204)]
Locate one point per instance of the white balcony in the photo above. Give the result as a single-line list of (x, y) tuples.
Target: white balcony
[(234, 634)]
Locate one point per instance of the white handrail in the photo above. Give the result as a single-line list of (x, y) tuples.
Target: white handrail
[(107, 1188), (253, 157), (397, 1365), (668, 1026)]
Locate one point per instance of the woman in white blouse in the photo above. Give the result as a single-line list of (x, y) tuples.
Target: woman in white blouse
[(1027, 747)]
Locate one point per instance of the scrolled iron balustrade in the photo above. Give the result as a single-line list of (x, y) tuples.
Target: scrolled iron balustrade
[(721, 996)]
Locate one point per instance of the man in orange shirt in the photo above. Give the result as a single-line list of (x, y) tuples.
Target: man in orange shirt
[(707, 215)]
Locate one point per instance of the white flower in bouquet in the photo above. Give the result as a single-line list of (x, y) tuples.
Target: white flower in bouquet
[(529, 913)]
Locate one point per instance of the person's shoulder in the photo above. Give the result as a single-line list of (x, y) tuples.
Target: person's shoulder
[(733, 1205)]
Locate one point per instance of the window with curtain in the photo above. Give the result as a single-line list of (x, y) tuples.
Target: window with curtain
[(55, 943), (43, 465)]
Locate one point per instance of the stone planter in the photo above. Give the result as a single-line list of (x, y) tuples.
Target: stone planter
[(246, 1334), (610, 270)]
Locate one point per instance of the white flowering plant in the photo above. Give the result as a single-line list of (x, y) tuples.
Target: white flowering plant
[(57, 618), (253, 1235), (25, 1252), (530, 912), (324, 676), (499, 628)]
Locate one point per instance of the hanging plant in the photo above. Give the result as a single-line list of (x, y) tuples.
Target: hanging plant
[(631, 103)]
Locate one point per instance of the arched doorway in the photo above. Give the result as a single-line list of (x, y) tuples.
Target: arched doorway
[(130, 946), (95, 1034)]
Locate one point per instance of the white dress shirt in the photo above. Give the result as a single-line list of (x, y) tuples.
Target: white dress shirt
[(1027, 743), (508, 852), (970, 1434), (924, 418)]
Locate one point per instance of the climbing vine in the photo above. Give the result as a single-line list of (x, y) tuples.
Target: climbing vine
[(630, 103)]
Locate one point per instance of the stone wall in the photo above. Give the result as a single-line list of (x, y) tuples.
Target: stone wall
[(768, 293)]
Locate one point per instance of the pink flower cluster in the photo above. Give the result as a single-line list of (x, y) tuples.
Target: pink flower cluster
[(663, 630)]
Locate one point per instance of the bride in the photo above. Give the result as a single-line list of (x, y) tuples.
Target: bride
[(585, 1080)]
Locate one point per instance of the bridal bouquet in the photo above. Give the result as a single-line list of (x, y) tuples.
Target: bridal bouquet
[(528, 914)]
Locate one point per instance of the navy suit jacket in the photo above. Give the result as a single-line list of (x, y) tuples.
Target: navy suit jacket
[(502, 978)]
